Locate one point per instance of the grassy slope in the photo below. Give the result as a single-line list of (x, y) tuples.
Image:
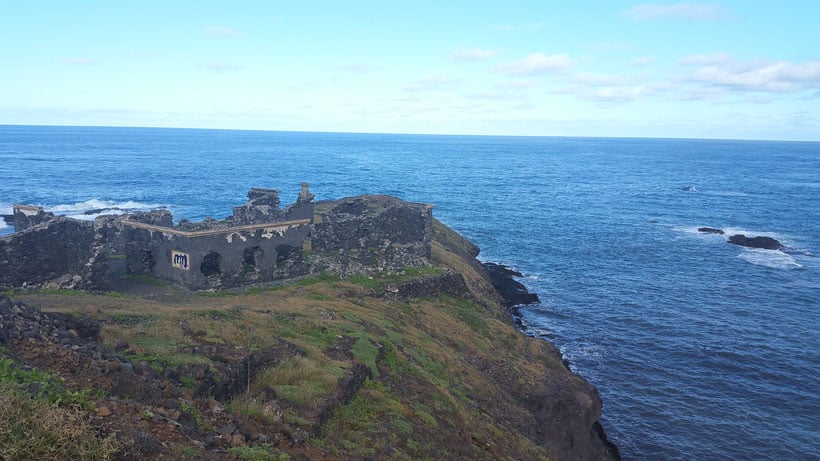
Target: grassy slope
[(450, 376)]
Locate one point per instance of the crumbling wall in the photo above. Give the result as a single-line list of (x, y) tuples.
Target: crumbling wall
[(26, 216), (369, 233), (221, 260), (54, 253)]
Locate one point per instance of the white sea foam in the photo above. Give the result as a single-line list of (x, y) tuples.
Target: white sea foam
[(5, 208), (769, 258), (82, 210)]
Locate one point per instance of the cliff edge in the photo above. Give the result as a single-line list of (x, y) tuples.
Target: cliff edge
[(397, 347)]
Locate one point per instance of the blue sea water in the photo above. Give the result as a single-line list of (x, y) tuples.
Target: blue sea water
[(700, 349)]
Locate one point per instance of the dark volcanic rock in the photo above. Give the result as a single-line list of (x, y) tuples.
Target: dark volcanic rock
[(513, 291), (766, 243), (710, 230), (568, 420)]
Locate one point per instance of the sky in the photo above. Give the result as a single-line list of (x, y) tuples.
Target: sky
[(747, 69)]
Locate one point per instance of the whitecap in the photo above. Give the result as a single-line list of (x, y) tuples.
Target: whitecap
[(90, 209), (774, 259), (5, 209), (691, 230)]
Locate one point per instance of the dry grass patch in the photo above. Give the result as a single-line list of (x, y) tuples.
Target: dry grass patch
[(32, 429), (300, 380)]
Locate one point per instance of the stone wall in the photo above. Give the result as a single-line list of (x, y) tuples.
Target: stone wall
[(370, 233), (225, 259), (51, 254), (358, 235)]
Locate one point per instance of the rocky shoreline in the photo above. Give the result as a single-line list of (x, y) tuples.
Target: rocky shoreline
[(515, 295)]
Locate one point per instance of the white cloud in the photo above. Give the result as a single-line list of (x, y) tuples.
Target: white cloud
[(681, 10), (535, 64), (472, 54), (705, 59), (519, 84), (220, 31), (608, 88), (616, 94), (722, 71)]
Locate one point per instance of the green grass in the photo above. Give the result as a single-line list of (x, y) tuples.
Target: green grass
[(44, 386), (364, 351), (150, 280)]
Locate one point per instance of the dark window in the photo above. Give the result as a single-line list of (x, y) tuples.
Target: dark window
[(210, 264)]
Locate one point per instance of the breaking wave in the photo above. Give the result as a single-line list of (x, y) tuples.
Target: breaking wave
[(774, 259), (90, 209)]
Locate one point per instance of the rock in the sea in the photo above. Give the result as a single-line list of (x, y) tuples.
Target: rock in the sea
[(513, 291), (710, 230), (766, 243)]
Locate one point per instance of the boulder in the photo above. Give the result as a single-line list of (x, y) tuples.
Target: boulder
[(766, 243)]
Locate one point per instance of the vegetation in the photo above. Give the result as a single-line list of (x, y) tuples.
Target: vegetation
[(36, 429), (445, 382)]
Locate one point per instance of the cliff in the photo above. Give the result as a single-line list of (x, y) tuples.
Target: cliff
[(378, 363)]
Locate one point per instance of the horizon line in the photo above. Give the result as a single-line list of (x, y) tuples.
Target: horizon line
[(406, 133)]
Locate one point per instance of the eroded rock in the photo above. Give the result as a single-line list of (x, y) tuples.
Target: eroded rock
[(766, 243)]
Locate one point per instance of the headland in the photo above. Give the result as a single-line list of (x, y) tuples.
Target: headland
[(353, 328)]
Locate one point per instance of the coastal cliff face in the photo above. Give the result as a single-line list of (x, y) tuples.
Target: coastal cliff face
[(410, 354)]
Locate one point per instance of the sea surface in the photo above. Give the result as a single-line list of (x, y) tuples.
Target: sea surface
[(700, 349)]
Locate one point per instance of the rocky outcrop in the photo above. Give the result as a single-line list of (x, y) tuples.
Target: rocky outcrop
[(766, 243), (26, 216), (762, 242), (371, 233), (568, 408), (568, 420), (512, 291), (710, 230)]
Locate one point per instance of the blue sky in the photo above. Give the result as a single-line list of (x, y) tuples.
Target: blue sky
[(726, 69)]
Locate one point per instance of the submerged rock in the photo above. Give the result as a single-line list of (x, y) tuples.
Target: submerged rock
[(766, 243)]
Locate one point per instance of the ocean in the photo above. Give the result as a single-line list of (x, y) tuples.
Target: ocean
[(700, 349)]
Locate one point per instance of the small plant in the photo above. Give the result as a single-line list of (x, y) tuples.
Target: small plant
[(190, 452), (45, 386), (188, 383)]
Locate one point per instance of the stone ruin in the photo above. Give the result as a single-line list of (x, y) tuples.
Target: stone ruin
[(258, 243)]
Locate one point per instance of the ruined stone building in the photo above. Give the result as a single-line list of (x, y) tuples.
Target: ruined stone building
[(259, 242)]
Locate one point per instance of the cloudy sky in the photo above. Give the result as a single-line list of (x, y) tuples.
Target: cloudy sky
[(747, 69)]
